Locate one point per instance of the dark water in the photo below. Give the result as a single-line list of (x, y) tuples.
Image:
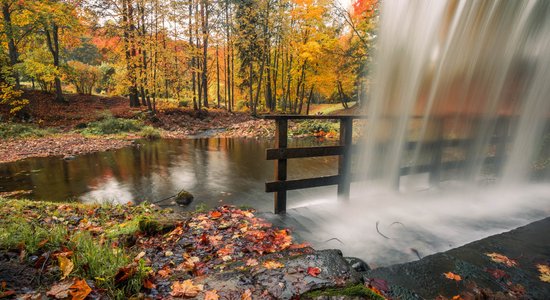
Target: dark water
[(215, 170)]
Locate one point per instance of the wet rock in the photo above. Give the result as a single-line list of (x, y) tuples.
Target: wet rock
[(357, 264), (184, 198), (290, 281), (68, 157)]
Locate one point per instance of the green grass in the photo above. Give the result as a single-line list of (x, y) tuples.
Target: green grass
[(38, 227), (313, 126), (358, 290), (16, 130), (150, 133), (111, 125)]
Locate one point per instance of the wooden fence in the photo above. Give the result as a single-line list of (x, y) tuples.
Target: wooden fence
[(281, 153)]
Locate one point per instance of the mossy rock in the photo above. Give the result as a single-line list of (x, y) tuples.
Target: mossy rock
[(184, 198), (153, 226), (358, 291)]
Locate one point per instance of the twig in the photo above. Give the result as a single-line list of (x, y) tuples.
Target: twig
[(416, 252), (161, 200), (334, 239), (397, 223), (380, 233)]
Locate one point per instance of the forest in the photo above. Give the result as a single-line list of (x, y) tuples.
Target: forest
[(239, 55)]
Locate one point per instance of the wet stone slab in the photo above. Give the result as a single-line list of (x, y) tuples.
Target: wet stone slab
[(480, 276), (289, 281)]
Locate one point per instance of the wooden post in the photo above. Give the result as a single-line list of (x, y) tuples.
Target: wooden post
[(281, 142), (437, 156), (344, 160), (501, 132)]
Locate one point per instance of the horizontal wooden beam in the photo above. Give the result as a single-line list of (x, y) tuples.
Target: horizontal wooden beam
[(285, 153), (312, 117), (288, 185)]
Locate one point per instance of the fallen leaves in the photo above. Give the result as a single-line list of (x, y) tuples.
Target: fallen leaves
[(496, 273), (271, 264), (77, 288), (185, 289), (211, 295), (313, 271), (502, 259), (65, 265), (544, 271), (452, 276)]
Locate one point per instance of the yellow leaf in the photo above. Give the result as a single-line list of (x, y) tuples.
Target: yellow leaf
[(185, 289), (502, 259), (452, 276), (270, 264), (65, 265), (247, 295), (544, 273)]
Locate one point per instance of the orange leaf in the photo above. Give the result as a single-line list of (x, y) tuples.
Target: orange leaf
[(164, 272), (185, 289), (125, 273), (502, 259), (452, 276), (80, 289), (313, 271), (251, 262), (215, 215), (247, 295), (211, 295), (148, 284), (270, 264), (42, 243)]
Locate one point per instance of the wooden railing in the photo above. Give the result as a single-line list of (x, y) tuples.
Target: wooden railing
[(281, 153)]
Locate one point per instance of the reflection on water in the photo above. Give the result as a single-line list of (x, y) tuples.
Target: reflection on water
[(217, 169)]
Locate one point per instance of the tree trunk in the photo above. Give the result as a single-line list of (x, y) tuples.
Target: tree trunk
[(12, 49), (309, 99), (204, 13), (193, 69), (218, 75), (52, 39)]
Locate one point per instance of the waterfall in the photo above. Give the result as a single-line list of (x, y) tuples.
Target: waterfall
[(469, 71)]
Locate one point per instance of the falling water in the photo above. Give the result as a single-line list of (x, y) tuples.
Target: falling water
[(462, 70), (473, 73)]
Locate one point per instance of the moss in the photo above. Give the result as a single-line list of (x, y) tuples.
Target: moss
[(357, 290)]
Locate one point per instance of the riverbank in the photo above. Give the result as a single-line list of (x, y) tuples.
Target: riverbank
[(75, 251), (90, 123)]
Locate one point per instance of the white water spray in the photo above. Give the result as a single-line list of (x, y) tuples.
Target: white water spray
[(466, 71)]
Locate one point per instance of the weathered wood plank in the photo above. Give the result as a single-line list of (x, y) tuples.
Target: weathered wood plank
[(344, 160), (286, 153), (281, 142), (288, 185)]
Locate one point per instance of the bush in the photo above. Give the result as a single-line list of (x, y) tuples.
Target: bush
[(150, 132), (183, 103), (15, 130), (111, 125), (315, 126)]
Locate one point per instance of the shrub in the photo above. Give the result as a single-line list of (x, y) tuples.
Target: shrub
[(111, 125), (314, 126), (183, 103), (15, 130), (150, 132)]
